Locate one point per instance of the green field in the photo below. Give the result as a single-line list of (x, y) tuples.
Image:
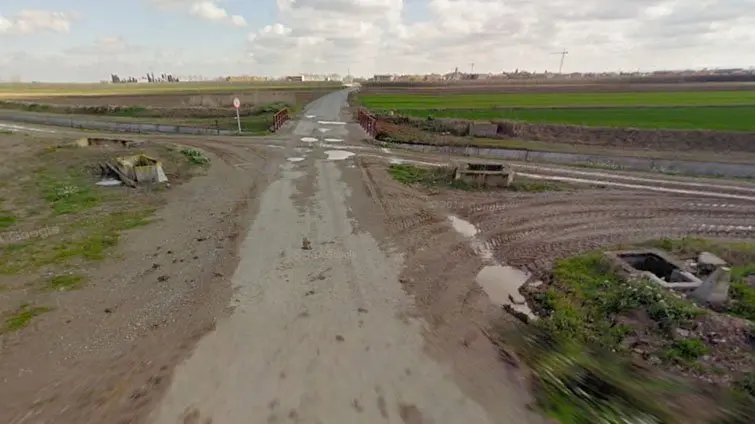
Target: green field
[(43, 90), (734, 118), (505, 100), (711, 110)]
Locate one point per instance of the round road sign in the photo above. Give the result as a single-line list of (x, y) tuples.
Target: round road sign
[(236, 102)]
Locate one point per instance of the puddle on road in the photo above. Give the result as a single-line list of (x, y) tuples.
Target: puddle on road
[(465, 228), (396, 161), (385, 150), (501, 284), (295, 159), (309, 139), (14, 128), (310, 116), (333, 140), (338, 154), (331, 123), (323, 130)]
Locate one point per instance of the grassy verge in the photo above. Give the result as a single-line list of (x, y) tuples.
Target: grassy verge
[(614, 351), (437, 178), (680, 118), (507, 100)]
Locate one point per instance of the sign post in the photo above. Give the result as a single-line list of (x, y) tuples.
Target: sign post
[(237, 105)]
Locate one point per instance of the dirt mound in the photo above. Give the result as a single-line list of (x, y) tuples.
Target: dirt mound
[(713, 141)]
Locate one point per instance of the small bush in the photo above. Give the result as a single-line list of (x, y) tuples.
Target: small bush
[(195, 156), (686, 350)]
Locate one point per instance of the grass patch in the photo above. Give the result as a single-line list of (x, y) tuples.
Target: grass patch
[(672, 117), (6, 219), (430, 178), (587, 299), (578, 384), (65, 282), (195, 156), (22, 317), (87, 239), (686, 350), (69, 195), (507, 100), (581, 350), (443, 177)]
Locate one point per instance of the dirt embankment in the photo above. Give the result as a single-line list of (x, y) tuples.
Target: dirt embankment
[(657, 140)]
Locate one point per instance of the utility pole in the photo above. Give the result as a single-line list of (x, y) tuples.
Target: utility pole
[(561, 64), (472, 69)]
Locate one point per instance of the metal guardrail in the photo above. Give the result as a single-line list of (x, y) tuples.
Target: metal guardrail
[(367, 121), (280, 118)]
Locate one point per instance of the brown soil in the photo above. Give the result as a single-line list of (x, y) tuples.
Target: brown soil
[(105, 350), (530, 231), (451, 131)]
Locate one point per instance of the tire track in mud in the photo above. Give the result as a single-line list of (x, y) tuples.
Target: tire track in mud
[(531, 230)]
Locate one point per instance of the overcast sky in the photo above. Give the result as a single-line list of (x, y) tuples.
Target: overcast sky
[(86, 40)]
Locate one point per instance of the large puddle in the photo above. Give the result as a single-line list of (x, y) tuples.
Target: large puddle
[(500, 282), (465, 228), (14, 128), (309, 139), (338, 154)]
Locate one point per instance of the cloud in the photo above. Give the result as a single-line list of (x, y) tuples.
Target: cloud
[(377, 36), (207, 10), (34, 21), (422, 36), (96, 60)]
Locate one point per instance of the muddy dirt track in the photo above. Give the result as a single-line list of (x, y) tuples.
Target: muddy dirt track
[(349, 297)]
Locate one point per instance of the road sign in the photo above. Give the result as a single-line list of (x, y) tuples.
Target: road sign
[(237, 104)]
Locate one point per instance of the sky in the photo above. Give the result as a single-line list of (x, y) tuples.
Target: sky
[(87, 40)]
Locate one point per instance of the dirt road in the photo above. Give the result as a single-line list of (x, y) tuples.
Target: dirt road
[(320, 335), (353, 300)]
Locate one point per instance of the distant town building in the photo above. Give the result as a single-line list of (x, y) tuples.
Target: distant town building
[(383, 78)]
